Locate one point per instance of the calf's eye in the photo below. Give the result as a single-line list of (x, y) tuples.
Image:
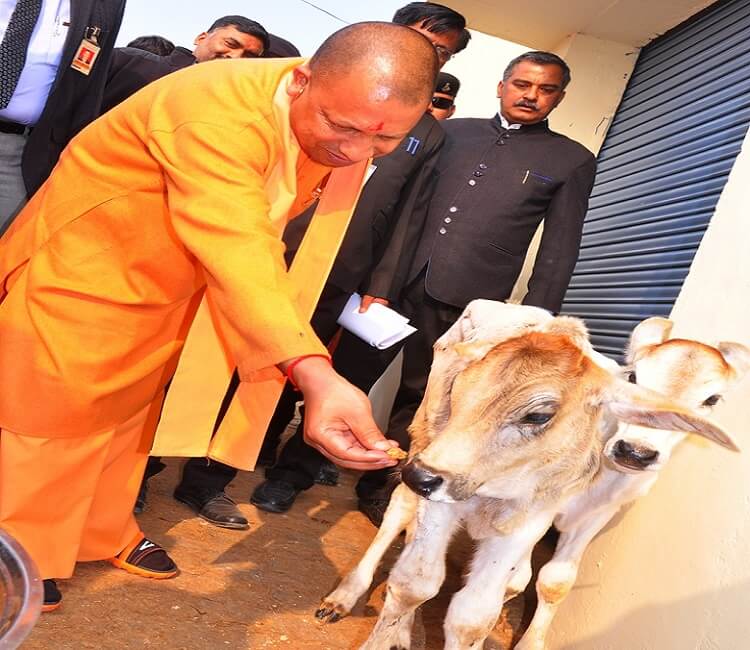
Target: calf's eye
[(536, 418), (632, 377), (711, 401)]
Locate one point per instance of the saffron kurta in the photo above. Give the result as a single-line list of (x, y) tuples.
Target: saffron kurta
[(100, 276), (176, 196)]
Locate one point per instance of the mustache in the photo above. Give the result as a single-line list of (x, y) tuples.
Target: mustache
[(526, 104)]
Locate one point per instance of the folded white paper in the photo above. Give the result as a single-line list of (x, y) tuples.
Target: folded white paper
[(380, 326)]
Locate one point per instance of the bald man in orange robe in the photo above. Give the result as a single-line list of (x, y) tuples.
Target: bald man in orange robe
[(178, 194)]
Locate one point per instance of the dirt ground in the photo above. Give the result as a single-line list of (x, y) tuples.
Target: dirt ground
[(242, 589)]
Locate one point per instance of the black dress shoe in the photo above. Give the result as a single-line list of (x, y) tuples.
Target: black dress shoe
[(52, 596), (373, 509), (328, 474), (215, 507), (266, 458), (274, 496)]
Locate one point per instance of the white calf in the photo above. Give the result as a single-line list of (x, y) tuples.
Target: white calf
[(513, 424), (686, 371)]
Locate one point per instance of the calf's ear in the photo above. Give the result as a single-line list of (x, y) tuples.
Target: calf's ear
[(491, 322), (651, 331), (640, 406), (737, 356)]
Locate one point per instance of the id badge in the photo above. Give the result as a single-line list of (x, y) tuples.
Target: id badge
[(85, 57), (87, 52)]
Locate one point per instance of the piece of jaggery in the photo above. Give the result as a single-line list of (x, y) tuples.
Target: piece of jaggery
[(397, 453)]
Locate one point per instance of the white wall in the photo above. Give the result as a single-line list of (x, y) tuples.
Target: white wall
[(600, 70), (674, 574), (479, 68)]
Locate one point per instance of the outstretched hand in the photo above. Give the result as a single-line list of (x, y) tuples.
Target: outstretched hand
[(338, 419)]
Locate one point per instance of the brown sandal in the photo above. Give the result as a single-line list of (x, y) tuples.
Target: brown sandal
[(146, 559)]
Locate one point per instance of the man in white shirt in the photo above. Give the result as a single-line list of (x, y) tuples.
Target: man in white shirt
[(54, 56)]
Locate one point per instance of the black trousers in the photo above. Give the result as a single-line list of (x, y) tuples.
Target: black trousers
[(362, 365), (431, 318), (212, 476)]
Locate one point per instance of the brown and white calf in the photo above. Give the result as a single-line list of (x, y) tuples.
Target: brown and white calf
[(515, 418), (687, 371)]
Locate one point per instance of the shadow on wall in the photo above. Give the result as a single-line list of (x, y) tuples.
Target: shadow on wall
[(628, 631)]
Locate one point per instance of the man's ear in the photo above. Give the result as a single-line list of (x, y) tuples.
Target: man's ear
[(646, 408), (499, 89), (453, 110), (200, 37), (300, 80)]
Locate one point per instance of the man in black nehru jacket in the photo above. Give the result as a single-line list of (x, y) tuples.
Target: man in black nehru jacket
[(498, 179)]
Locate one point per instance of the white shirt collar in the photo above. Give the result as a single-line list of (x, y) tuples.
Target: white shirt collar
[(507, 125)]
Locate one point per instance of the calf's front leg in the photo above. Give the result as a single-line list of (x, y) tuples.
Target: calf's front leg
[(557, 577), (416, 577), (519, 579), (474, 610), (401, 510)]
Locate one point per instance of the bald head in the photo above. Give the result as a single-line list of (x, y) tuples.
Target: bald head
[(396, 61), (362, 92)]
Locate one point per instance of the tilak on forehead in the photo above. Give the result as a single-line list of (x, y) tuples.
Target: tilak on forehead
[(375, 127)]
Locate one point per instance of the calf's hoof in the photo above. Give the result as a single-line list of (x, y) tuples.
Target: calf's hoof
[(330, 612)]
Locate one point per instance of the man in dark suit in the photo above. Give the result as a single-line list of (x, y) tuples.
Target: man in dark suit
[(388, 200), (497, 181), (230, 37), (43, 106)]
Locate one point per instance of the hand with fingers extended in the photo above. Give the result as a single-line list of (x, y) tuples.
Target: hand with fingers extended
[(338, 418), (367, 300)]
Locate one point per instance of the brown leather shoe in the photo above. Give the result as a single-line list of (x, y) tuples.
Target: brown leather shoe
[(215, 507)]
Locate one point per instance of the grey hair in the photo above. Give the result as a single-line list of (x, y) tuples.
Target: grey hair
[(540, 58)]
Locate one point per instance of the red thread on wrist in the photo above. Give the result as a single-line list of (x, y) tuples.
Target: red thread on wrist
[(294, 363)]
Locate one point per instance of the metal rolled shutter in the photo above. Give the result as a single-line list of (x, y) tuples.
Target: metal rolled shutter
[(661, 169)]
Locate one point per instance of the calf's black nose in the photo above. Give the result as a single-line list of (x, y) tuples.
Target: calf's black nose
[(634, 455), (420, 480)]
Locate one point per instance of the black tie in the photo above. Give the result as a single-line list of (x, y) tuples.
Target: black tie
[(14, 46)]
